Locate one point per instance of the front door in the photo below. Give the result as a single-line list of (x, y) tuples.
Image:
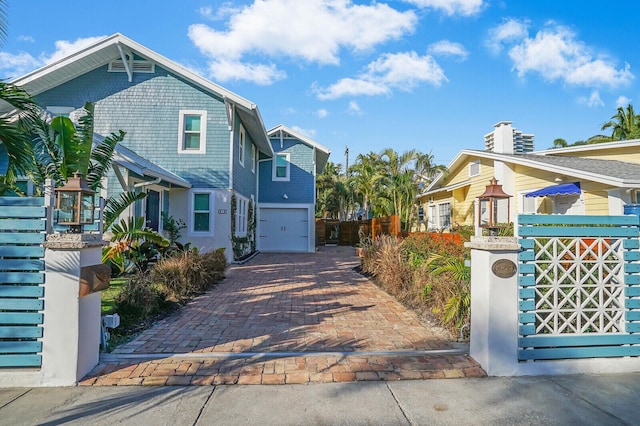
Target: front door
[(153, 210)]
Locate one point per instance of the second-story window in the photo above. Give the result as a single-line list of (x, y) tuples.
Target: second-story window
[(192, 132), (281, 167), (241, 145), (253, 158)]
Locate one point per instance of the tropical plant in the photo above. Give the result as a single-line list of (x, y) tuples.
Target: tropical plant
[(624, 124), (132, 245)]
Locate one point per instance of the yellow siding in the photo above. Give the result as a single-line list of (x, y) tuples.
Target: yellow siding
[(628, 154), (529, 179), (596, 198)]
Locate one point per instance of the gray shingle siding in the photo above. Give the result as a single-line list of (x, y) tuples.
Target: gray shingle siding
[(148, 110)]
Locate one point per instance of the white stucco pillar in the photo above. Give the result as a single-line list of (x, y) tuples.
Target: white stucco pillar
[(617, 199), (494, 304), (71, 339)]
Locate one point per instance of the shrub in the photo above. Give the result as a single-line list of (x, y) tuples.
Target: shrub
[(189, 273), (384, 261), (138, 299), (215, 263)]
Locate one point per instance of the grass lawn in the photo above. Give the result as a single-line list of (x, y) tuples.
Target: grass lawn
[(109, 295)]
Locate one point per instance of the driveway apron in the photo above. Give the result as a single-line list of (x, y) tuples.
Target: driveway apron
[(287, 318)]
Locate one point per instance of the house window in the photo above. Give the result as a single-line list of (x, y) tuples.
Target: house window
[(241, 146), (201, 212), (474, 168), (444, 215), (192, 132), (281, 167), (253, 158), (527, 205), (431, 219), (241, 217)]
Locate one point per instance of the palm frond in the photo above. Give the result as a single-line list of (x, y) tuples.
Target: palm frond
[(133, 229), (101, 158), (114, 207)]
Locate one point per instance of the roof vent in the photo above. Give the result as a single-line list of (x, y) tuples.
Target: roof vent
[(138, 66)]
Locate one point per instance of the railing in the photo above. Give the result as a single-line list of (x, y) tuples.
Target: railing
[(22, 234), (579, 287)]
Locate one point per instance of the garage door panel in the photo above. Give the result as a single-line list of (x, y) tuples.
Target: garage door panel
[(284, 229)]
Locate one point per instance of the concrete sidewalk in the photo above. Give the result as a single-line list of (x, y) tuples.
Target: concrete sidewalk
[(593, 399)]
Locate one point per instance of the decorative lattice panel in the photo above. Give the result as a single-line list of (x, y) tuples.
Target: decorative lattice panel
[(578, 286)]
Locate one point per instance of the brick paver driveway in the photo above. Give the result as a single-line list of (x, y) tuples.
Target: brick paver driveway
[(287, 318)]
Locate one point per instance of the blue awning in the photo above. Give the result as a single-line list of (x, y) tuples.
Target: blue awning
[(563, 189)]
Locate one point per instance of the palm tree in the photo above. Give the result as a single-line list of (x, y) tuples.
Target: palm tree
[(15, 121), (559, 143), (624, 124)]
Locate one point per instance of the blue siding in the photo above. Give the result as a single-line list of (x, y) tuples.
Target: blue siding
[(148, 110), (300, 187), (244, 180)]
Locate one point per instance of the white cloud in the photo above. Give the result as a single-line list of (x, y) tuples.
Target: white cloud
[(316, 31), (622, 101), (593, 100), (509, 31), (556, 55), (451, 7), (322, 113), (354, 108), (26, 38), (307, 132), (448, 48), (64, 48), (401, 71), (230, 70), (225, 10), (14, 65)]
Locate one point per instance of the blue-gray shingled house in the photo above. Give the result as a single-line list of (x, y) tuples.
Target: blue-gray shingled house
[(200, 152)]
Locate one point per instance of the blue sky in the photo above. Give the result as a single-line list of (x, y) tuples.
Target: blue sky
[(432, 75)]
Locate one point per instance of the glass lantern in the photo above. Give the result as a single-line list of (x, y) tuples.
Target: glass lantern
[(75, 204), (494, 208)]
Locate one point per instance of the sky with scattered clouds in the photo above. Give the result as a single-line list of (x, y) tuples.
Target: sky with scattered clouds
[(431, 75)]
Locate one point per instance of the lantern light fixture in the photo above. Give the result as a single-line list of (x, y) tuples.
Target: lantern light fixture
[(494, 208), (75, 203)]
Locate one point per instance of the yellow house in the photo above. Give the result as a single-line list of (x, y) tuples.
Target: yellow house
[(596, 179)]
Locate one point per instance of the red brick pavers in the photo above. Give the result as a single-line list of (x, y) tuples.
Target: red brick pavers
[(298, 317)]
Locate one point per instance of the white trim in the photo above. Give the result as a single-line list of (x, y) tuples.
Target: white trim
[(472, 164), (242, 209), (299, 136), (274, 176), (242, 136), (203, 131), (254, 156), (191, 222), (137, 66)]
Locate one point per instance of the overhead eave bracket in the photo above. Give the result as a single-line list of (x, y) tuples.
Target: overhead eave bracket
[(128, 63)]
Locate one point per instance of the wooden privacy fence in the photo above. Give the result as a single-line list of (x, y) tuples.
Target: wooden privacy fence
[(347, 233), (22, 234)]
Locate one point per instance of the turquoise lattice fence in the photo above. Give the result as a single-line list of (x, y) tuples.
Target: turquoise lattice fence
[(579, 287), (22, 234)]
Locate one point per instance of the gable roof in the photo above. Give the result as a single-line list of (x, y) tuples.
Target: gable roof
[(609, 172), (322, 152), (115, 47)]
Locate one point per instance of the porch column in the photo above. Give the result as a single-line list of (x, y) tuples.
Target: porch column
[(494, 304)]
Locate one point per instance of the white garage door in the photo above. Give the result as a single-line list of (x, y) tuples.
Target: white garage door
[(283, 230)]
